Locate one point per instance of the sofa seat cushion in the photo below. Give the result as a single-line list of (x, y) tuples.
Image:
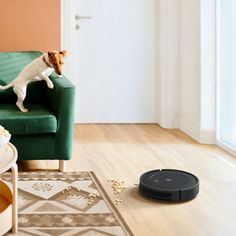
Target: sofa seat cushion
[(38, 120)]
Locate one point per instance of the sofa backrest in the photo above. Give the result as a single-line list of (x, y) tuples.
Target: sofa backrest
[(11, 64)]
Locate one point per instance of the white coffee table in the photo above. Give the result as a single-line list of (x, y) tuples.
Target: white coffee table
[(8, 157)]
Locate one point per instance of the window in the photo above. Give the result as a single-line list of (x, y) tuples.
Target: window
[(226, 74)]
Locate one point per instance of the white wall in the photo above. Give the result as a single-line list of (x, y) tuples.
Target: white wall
[(187, 67), (197, 77)]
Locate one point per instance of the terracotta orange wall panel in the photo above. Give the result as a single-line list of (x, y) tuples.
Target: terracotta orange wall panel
[(29, 25)]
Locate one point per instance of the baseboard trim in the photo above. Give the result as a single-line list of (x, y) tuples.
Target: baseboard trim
[(207, 137), (189, 128), (226, 147), (195, 132)]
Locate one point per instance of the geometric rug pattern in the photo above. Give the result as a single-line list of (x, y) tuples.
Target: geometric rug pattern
[(54, 203)]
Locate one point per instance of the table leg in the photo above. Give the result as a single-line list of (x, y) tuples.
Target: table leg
[(15, 195)]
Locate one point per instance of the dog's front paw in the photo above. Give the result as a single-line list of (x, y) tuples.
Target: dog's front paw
[(51, 85)]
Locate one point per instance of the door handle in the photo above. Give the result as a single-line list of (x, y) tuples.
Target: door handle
[(78, 17)]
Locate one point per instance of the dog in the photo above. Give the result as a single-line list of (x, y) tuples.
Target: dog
[(39, 69)]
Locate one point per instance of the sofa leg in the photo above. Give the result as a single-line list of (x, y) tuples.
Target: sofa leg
[(62, 165)]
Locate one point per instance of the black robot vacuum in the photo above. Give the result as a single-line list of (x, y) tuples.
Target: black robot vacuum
[(168, 184)]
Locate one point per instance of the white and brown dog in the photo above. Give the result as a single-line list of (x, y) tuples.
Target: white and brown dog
[(38, 69)]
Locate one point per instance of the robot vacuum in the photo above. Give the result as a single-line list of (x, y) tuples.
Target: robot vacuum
[(169, 184)]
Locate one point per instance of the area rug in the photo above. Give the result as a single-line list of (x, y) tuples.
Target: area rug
[(65, 204)]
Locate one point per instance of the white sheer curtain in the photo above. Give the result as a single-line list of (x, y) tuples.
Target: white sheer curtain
[(226, 89)]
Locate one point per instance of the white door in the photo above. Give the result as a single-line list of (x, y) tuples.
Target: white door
[(114, 60)]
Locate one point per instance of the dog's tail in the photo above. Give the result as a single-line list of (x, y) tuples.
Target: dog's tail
[(3, 87)]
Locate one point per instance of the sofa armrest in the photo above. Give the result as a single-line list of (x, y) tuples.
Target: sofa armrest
[(61, 102)]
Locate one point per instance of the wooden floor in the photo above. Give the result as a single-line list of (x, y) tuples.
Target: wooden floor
[(125, 151)]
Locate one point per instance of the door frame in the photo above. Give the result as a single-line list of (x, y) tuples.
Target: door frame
[(168, 63), (66, 35)]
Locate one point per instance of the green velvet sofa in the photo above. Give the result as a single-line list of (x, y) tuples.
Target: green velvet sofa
[(45, 132)]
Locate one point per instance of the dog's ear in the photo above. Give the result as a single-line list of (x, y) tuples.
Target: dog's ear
[(50, 54), (64, 53)]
